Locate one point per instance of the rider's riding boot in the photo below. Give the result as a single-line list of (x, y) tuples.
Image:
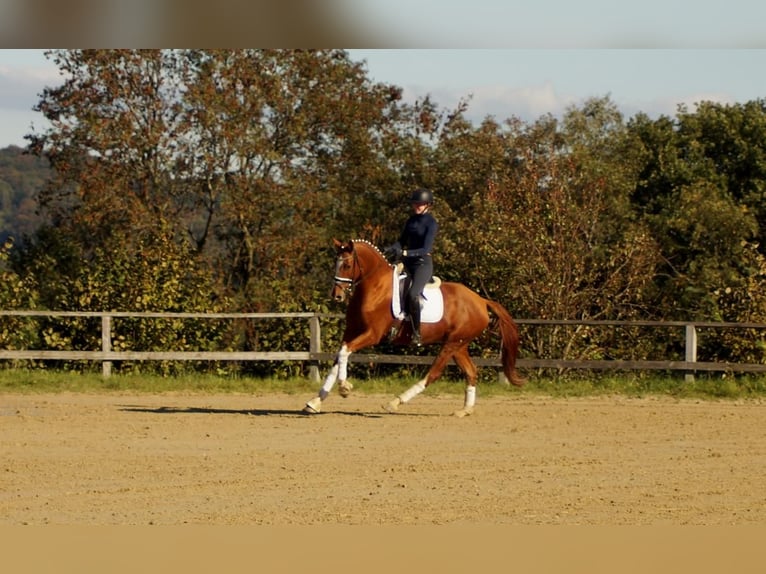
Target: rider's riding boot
[(415, 319)]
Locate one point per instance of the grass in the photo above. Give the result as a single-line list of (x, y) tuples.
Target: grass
[(710, 387)]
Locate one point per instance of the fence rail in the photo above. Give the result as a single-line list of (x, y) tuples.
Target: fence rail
[(314, 354)]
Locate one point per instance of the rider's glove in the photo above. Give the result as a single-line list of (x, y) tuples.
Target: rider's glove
[(392, 252)]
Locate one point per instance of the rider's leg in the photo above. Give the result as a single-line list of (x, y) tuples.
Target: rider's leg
[(414, 305), (421, 274)]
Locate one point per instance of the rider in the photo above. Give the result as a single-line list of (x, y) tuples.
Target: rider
[(414, 248)]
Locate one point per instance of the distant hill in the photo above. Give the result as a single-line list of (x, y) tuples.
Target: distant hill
[(22, 175)]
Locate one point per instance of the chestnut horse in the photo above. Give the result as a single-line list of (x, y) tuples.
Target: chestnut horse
[(362, 272)]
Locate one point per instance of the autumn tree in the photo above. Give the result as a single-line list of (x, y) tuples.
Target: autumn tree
[(241, 163), (15, 293), (286, 149), (254, 158)]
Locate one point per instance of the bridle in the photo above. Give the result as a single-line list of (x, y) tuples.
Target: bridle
[(348, 284), (358, 273)]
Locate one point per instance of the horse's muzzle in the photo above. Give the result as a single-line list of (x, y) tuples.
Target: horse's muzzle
[(338, 294)]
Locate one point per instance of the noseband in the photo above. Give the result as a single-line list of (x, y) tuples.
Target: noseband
[(348, 283)]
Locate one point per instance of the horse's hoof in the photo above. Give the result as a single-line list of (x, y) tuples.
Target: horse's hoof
[(313, 407), (345, 388), (463, 413), (393, 405)]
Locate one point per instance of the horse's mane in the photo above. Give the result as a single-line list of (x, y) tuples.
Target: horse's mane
[(369, 244), (372, 247)]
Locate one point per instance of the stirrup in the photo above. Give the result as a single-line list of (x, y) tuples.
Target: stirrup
[(417, 340)]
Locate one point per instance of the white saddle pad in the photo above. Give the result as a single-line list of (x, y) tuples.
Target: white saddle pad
[(433, 302)]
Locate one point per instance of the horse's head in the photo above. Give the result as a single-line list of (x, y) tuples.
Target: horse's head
[(355, 260), (347, 270)]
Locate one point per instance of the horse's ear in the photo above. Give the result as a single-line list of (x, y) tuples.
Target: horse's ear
[(340, 246)]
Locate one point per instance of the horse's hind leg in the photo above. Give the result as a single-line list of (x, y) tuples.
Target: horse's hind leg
[(464, 362), (436, 370), (393, 405)]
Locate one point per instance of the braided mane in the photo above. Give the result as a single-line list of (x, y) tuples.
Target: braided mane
[(366, 242), (373, 247)]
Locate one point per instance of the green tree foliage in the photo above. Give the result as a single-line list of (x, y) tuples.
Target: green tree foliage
[(164, 277), (546, 227), (15, 294), (21, 176), (743, 301), (700, 191)]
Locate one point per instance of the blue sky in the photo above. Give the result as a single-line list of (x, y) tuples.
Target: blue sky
[(531, 82), (502, 82)]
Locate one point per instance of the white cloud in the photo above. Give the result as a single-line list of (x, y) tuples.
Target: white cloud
[(530, 103), (501, 102), (19, 87), (527, 103), (668, 106)]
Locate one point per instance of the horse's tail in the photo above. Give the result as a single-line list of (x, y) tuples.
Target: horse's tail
[(509, 333)]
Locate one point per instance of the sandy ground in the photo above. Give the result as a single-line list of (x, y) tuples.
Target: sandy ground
[(115, 459)]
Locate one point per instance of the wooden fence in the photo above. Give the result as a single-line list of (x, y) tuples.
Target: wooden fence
[(314, 354)]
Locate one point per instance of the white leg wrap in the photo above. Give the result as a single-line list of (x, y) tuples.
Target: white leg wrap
[(470, 396), (329, 382), (413, 391), (343, 363)]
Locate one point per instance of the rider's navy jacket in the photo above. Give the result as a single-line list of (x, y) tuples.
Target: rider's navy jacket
[(418, 235)]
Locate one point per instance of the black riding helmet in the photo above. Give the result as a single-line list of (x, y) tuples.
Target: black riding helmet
[(422, 195)]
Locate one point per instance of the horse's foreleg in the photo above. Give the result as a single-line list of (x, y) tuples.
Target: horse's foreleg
[(366, 339), (344, 387), (339, 370)]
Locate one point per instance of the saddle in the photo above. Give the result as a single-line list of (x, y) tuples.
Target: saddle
[(433, 302)]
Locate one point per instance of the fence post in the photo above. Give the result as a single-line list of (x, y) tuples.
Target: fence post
[(315, 346), (106, 344), (691, 351)]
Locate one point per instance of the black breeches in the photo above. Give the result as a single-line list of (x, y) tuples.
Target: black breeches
[(421, 273)]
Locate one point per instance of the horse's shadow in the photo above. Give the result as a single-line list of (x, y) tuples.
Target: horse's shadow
[(243, 412), (259, 412)]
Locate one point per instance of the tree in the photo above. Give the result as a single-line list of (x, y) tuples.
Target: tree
[(291, 147), (241, 154), (548, 229), (21, 176), (242, 163), (15, 293), (698, 202)]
